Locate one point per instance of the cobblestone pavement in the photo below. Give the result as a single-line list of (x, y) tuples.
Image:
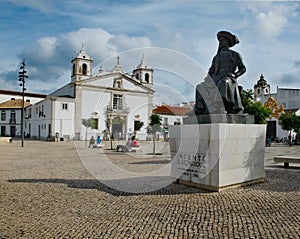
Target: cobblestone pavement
[(46, 192)]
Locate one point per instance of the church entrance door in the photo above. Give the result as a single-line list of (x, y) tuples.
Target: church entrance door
[(117, 128)]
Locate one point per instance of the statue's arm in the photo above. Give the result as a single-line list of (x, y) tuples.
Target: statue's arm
[(212, 69), (240, 65)]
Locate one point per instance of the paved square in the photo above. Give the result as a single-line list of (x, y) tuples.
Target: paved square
[(46, 192)]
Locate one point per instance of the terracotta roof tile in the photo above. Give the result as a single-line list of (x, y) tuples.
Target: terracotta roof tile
[(171, 110), (13, 104)]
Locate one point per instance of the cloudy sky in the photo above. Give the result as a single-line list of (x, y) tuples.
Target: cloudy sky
[(177, 38)]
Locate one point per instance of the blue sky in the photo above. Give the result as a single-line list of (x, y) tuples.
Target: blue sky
[(177, 38)]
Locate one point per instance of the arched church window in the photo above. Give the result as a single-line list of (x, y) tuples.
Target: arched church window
[(74, 70), (137, 75), (84, 69), (147, 77), (258, 91)]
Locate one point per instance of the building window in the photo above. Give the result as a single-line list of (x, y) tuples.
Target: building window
[(64, 106), (13, 115), (74, 70), (3, 115), (84, 69), (165, 122), (258, 91), (29, 113), (3, 131), (177, 122), (118, 83), (147, 78), (118, 102), (36, 110), (41, 111)]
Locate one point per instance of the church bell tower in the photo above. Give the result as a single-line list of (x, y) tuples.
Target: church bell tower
[(261, 89), (144, 74), (82, 66)]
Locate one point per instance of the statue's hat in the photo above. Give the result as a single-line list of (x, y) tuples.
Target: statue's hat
[(233, 40)]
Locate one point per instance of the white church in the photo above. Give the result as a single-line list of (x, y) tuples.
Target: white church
[(116, 101)]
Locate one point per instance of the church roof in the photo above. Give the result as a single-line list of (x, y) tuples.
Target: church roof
[(83, 54), (171, 110), (19, 93), (13, 104), (118, 66), (143, 64), (261, 81)]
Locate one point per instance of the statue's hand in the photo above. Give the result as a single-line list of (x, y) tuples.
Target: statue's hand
[(232, 75)]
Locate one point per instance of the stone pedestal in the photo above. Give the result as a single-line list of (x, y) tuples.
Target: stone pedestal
[(216, 156)]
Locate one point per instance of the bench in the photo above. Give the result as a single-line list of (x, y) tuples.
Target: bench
[(124, 148), (96, 146), (6, 139), (286, 160)]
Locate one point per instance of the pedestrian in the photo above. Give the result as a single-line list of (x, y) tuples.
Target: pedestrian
[(99, 140)]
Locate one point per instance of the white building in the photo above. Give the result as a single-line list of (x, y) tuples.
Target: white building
[(170, 115), (114, 99), (10, 119), (11, 107), (283, 99)]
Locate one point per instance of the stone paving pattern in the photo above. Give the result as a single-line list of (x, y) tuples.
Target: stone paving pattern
[(45, 192)]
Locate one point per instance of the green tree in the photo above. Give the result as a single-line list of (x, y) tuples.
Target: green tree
[(290, 122), (154, 127), (138, 126), (89, 123), (256, 109)]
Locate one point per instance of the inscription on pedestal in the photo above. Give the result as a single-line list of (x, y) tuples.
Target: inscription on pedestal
[(191, 165)]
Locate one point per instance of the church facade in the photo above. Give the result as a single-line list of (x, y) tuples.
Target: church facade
[(116, 101)]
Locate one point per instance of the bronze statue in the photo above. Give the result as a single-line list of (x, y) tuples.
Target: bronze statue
[(219, 93)]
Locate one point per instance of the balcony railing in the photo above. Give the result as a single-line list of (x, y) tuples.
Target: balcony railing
[(124, 110), (12, 121)]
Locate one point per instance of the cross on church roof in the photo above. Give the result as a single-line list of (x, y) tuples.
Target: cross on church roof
[(118, 60)]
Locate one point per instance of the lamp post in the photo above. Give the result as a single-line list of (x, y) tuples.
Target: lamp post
[(22, 76)]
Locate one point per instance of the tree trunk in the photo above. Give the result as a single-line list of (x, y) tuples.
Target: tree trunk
[(153, 144), (86, 136)]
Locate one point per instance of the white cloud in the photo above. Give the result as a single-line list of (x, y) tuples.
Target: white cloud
[(271, 17), (49, 59), (95, 40), (270, 24), (124, 42)]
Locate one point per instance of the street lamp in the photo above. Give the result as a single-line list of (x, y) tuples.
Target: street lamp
[(22, 76)]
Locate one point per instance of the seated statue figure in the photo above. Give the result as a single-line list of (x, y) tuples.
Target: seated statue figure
[(219, 93)]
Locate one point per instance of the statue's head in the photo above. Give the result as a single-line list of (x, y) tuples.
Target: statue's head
[(230, 38)]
